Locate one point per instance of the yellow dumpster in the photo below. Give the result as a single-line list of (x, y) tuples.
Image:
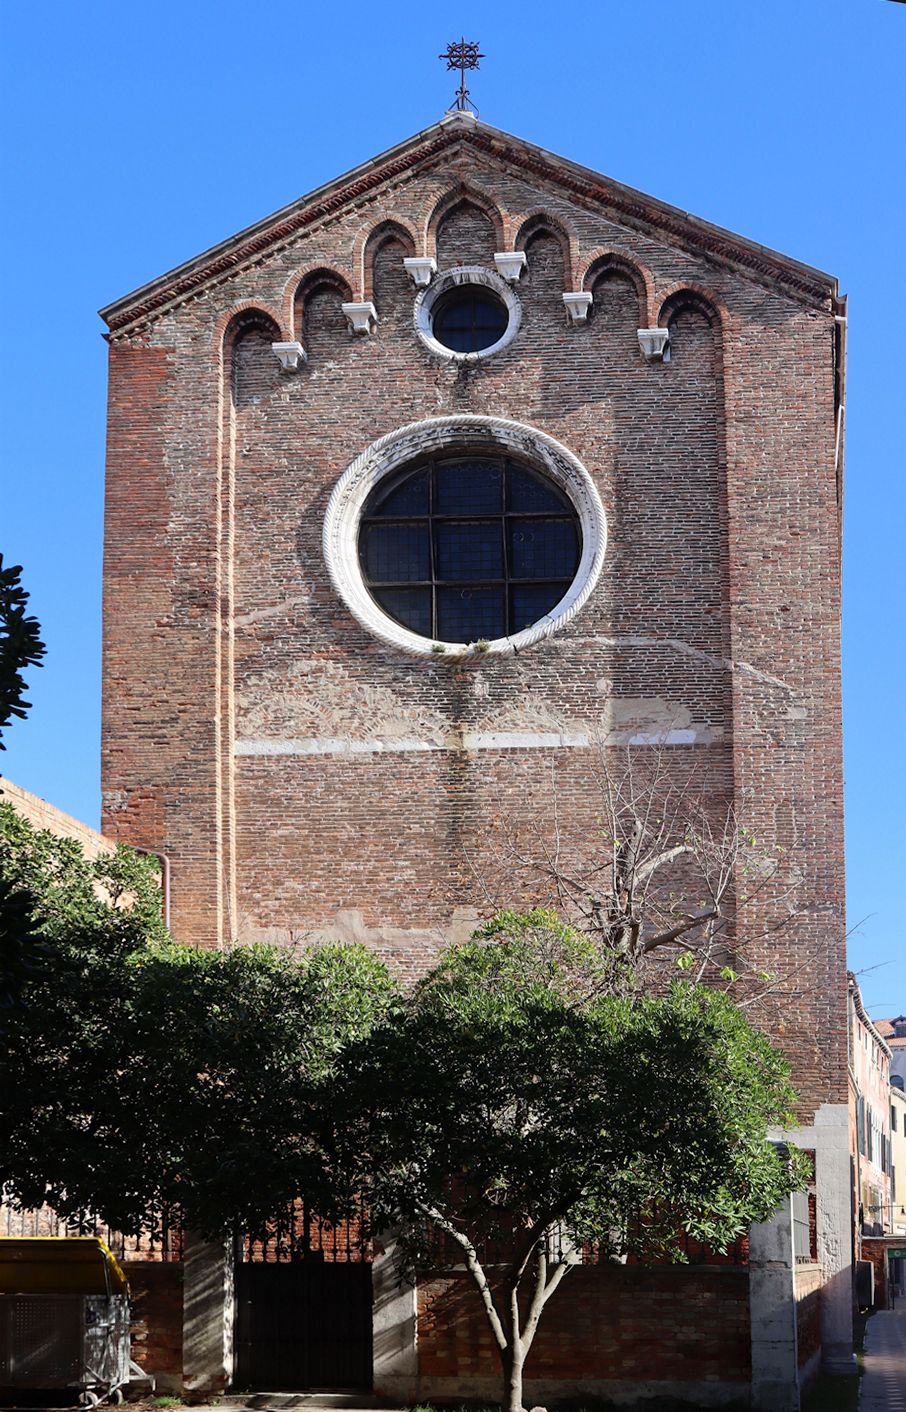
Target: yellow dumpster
[(64, 1321)]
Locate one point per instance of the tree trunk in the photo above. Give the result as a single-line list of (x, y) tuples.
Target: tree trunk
[(513, 1359)]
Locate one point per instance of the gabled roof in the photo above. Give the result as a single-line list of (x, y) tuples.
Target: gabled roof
[(622, 203), (867, 1021), (887, 1030)]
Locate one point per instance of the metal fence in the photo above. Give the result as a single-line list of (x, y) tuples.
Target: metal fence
[(164, 1242)]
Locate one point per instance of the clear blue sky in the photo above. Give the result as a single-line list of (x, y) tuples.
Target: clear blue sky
[(135, 136)]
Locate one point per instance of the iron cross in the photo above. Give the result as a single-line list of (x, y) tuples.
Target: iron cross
[(462, 56)]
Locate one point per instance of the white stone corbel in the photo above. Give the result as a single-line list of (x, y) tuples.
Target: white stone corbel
[(510, 264), (360, 317), (655, 344), (577, 306), (290, 356), (422, 268)]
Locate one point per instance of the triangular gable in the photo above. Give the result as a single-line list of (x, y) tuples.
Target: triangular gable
[(622, 203)]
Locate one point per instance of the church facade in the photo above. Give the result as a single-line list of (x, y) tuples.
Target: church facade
[(423, 493)]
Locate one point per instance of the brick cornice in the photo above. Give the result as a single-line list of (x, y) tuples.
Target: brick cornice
[(624, 203), (635, 208)]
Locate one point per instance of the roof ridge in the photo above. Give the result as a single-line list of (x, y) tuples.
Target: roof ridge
[(229, 255)]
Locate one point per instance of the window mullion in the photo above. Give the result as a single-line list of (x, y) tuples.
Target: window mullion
[(504, 530), (432, 557)]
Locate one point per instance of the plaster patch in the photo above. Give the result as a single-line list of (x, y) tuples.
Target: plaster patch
[(276, 610), (624, 720), (320, 703), (683, 649), (348, 925)]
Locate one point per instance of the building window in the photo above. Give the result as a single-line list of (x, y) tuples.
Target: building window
[(469, 319), (467, 314), (468, 549), (464, 535)]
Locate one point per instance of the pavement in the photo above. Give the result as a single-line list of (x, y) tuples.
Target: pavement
[(278, 1402), (883, 1387)]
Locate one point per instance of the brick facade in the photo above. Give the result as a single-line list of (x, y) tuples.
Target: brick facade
[(307, 780), (262, 738)]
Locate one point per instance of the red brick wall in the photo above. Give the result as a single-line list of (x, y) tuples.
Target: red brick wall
[(809, 1279), (603, 1323), (156, 1301), (876, 1251), (716, 473)]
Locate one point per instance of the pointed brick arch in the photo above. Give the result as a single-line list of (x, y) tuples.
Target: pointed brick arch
[(543, 223), (602, 262), (371, 242), (464, 195)]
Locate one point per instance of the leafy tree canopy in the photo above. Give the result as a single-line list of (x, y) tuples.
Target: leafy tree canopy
[(20, 645), (513, 1110), (141, 1077), (517, 1111)]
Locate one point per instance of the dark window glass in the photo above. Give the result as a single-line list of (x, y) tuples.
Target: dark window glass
[(470, 614), (529, 494), (409, 606), (468, 488), (492, 546), (404, 496), (468, 551), (532, 600), (397, 553), (469, 318), (543, 549)]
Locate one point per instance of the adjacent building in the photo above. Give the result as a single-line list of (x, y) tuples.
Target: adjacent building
[(871, 1119), (894, 1034), (897, 1156)]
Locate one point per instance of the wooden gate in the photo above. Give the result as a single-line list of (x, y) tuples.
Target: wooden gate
[(303, 1307)]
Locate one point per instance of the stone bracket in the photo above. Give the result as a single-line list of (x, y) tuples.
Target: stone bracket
[(510, 264), (422, 268), (290, 356), (655, 344), (361, 317), (577, 306)]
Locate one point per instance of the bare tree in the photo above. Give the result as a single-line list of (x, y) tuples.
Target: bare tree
[(667, 872)]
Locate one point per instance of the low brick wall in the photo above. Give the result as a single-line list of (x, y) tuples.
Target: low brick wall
[(809, 1279), (662, 1329), (156, 1296)]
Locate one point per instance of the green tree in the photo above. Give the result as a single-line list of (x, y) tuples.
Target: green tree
[(143, 1078), (20, 645), (516, 1111)]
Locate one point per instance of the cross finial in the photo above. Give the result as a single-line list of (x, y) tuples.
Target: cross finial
[(462, 56)]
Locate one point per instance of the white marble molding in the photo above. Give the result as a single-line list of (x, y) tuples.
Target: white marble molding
[(426, 300), (463, 434)]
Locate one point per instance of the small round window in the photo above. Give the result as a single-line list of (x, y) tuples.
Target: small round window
[(467, 314), (469, 548), (469, 319)]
